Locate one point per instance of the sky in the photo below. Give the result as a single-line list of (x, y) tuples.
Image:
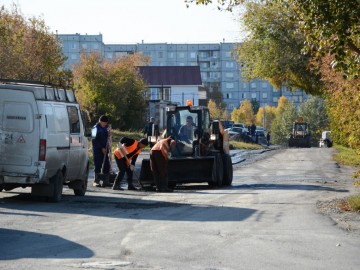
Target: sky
[(135, 21)]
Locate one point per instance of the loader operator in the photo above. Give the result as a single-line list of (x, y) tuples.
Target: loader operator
[(125, 156), (159, 156), (186, 132)]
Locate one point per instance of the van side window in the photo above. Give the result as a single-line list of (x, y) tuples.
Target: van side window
[(73, 119)]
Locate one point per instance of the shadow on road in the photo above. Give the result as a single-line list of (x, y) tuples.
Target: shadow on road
[(287, 187), (128, 208), (38, 245)]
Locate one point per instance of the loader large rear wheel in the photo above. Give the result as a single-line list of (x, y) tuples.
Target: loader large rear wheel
[(228, 170)]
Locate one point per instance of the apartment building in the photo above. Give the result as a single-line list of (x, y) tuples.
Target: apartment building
[(219, 69)]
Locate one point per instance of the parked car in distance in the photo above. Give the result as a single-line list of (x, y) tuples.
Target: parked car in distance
[(236, 130), (260, 131), (227, 124), (325, 140)]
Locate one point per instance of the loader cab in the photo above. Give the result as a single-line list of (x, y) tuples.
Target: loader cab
[(187, 124)]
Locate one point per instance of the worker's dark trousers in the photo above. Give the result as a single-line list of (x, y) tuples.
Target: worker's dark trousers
[(98, 161), (121, 163), (159, 168)]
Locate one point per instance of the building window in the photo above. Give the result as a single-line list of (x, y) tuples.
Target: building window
[(253, 85), (120, 54), (192, 55), (160, 54), (109, 55), (253, 95), (96, 46), (84, 46), (204, 75), (74, 56), (229, 64), (243, 95), (264, 95), (204, 54), (181, 64), (181, 55), (204, 64), (228, 54), (215, 54), (171, 55), (275, 99), (264, 84), (73, 46), (244, 85), (229, 85), (214, 75), (228, 95), (229, 75)]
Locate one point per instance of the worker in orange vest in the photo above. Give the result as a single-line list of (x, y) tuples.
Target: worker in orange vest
[(125, 156), (159, 159)]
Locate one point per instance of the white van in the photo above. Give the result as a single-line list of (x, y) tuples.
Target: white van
[(42, 140)]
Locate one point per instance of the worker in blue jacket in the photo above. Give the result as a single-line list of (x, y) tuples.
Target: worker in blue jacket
[(100, 149)]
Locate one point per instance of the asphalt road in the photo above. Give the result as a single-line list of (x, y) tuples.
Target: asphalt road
[(266, 220)]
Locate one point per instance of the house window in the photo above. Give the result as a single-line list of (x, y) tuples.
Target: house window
[(74, 56), (73, 46), (228, 95), (253, 85), (275, 99), (160, 93), (264, 95), (228, 54), (204, 64), (253, 95), (171, 55), (192, 55), (229, 85), (264, 84), (109, 55), (181, 55), (84, 46), (243, 95), (160, 54), (96, 46)]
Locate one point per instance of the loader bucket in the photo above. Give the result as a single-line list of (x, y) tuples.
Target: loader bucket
[(182, 170)]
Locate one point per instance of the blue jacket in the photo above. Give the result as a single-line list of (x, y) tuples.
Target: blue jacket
[(99, 137)]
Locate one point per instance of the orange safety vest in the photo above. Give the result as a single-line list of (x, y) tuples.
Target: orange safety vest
[(162, 146), (124, 150)]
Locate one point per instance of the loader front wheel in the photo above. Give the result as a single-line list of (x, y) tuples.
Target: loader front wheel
[(228, 170), (218, 171)]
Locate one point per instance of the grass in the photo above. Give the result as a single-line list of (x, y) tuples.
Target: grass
[(349, 157), (243, 145)]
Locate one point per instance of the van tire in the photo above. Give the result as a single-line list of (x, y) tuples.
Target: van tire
[(81, 188), (57, 181)]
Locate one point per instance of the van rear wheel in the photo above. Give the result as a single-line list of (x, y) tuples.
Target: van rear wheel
[(57, 182), (81, 187)]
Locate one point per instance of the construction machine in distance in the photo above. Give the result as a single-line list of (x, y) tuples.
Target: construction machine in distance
[(300, 135), (201, 157)]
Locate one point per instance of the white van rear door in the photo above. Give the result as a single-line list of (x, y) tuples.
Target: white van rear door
[(19, 132)]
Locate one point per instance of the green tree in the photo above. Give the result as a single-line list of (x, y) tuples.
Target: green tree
[(313, 111), (272, 49), (28, 51), (269, 115), (216, 112), (113, 87), (282, 124), (243, 114)]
